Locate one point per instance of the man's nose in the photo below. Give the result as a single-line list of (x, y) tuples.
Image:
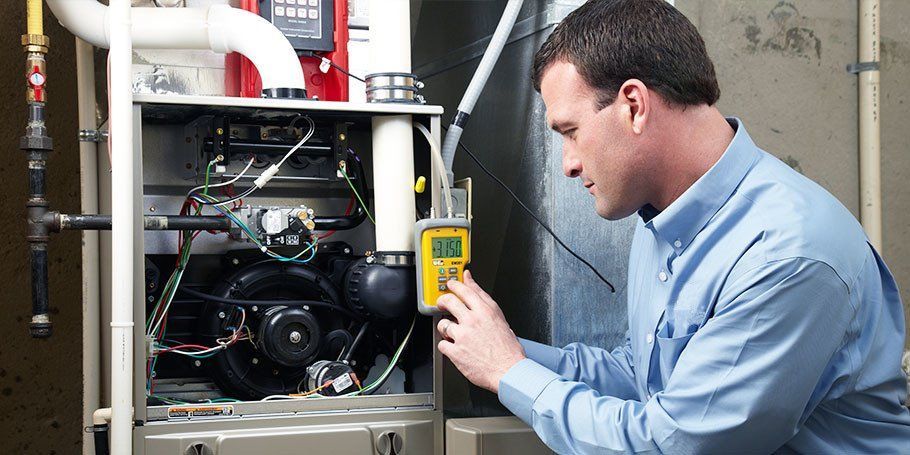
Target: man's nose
[(571, 165)]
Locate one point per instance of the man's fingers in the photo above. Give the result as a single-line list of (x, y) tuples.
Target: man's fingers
[(447, 348), (448, 328), (452, 304), (469, 296)]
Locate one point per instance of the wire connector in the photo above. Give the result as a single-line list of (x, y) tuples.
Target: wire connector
[(266, 175)]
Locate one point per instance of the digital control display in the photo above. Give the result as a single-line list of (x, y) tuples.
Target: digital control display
[(446, 247)]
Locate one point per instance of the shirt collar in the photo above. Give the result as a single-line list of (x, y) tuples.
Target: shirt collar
[(679, 223)]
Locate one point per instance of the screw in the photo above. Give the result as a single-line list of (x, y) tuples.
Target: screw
[(219, 131), (188, 165), (347, 250), (255, 308), (255, 361), (151, 298), (342, 137), (306, 307), (219, 158), (235, 261), (198, 363), (294, 337), (275, 372), (221, 314), (264, 135)]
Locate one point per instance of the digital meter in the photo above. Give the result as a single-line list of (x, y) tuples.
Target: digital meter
[(443, 249)]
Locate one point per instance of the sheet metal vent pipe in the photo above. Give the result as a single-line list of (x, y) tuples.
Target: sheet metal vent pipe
[(37, 145)]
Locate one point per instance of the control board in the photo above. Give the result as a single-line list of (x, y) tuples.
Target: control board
[(308, 24)]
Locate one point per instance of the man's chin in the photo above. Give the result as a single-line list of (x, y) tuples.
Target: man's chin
[(611, 213)]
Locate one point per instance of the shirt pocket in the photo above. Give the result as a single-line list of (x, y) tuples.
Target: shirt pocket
[(687, 314), (670, 348)]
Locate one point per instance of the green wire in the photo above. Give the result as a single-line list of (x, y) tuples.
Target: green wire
[(365, 209)]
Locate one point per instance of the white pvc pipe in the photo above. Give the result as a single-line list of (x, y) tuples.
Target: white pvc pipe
[(393, 140), (122, 208), (870, 167), (219, 28), (91, 298)]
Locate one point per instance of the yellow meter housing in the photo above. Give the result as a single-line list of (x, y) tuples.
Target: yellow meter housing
[(443, 250)]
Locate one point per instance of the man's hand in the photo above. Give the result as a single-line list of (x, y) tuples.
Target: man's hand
[(479, 342)]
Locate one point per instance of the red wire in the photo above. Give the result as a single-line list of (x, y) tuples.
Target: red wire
[(347, 212)]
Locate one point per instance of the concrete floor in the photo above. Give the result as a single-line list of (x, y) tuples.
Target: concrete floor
[(781, 67)]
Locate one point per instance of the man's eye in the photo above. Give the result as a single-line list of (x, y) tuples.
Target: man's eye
[(571, 133)]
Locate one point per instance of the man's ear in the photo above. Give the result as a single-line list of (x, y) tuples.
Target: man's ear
[(635, 104)]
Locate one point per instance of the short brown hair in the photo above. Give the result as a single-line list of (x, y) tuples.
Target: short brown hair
[(612, 41)]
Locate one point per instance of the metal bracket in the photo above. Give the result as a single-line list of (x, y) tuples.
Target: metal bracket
[(860, 67), (93, 135)]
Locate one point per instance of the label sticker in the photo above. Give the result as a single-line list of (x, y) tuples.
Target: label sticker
[(342, 382), (184, 412)]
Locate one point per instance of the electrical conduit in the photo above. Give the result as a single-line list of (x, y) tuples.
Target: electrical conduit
[(870, 159), (481, 75)]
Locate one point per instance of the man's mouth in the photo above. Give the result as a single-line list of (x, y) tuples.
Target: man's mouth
[(590, 187)]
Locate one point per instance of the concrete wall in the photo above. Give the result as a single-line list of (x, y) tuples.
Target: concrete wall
[(40, 380), (781, 66)]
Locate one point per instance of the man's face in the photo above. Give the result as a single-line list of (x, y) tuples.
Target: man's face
[(599, 146)]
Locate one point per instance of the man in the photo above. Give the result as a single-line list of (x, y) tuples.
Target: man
[(760, 319)]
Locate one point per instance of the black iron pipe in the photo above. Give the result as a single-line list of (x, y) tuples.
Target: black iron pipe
[(102, 443), (37, 145), (60, 222)]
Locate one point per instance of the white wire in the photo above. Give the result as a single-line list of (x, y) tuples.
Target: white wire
[(440, 166), (236, 178), (306, 137)]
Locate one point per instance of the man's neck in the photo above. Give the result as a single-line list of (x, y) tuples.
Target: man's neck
[(695, 139)]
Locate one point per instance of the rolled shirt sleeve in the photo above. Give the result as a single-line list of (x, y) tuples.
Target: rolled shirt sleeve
[(744, 383)]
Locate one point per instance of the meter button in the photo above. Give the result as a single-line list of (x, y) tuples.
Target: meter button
[(279, 11), (314, 2), (453, 271), (442, 271), (292, 12), (454, 278), (314, 14), (442, 279), (442, 287)]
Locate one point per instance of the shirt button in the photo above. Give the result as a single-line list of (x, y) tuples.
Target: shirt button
[(677, 244), (649, 338), (662, 276)]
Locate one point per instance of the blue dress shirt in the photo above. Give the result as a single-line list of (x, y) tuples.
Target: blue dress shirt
[(760, 320)]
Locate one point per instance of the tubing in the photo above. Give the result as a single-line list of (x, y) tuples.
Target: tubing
[(123, 211), (481, 75), (35, 18), (437, 159), (870, 173), (219, 28), (91, 273)]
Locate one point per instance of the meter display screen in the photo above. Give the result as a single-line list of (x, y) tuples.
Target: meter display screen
[(446, 247)]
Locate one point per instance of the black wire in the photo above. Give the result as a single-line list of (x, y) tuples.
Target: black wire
[(249, 303), (315, 55), (357, 339), (225, 201), (539, 221)]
